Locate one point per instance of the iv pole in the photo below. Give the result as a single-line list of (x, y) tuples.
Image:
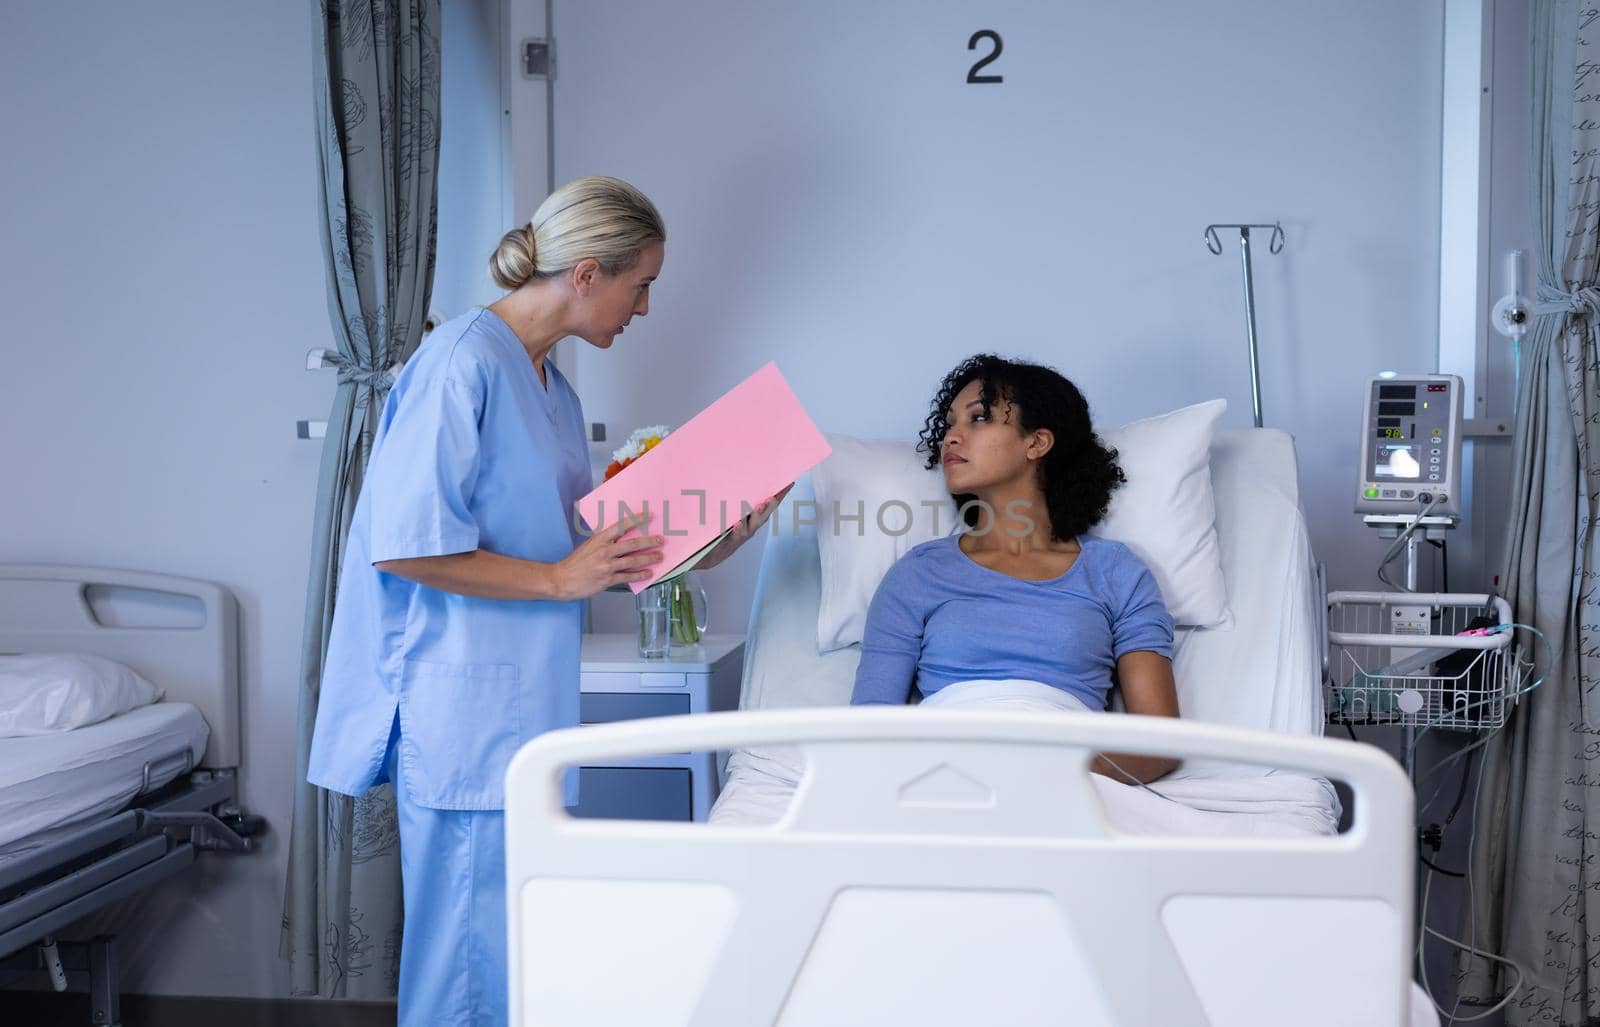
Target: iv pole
[(1274, 245)]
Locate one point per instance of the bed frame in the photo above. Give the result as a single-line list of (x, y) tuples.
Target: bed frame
[(950, 868), (190, 649)]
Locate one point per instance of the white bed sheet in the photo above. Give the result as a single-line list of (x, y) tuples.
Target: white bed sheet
[(50, 783), (1249, 801), (1265, 671)]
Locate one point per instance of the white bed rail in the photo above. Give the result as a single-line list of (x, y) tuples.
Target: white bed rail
[(1385, 601), (910, 821)]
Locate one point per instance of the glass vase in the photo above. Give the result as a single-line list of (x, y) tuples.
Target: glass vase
[(687, 614), (654, 620)]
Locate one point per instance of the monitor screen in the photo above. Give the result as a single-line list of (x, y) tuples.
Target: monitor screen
[(1396, 462)]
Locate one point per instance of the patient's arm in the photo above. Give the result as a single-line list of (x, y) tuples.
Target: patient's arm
[(1147, 688), (891, 641)]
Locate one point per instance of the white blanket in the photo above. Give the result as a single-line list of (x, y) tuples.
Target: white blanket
[(1210, 800)]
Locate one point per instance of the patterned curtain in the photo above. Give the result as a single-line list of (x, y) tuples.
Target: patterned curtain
[(1536, 850), (377, 136)]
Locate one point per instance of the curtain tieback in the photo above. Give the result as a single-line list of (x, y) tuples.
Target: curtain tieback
[(366, 379), (1583, 302)]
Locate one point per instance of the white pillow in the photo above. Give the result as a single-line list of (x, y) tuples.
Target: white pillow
[(901, 504), (1166, 513), (45, 693)]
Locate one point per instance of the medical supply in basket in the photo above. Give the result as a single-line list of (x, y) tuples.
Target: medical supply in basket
[(1385, 693), (1461, 675)]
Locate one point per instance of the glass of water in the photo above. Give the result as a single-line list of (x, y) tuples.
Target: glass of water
[(653, 605)]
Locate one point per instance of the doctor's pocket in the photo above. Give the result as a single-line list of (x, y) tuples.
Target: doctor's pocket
[(460, 725)]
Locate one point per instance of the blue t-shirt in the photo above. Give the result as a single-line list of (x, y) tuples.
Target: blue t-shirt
[(940, 617)]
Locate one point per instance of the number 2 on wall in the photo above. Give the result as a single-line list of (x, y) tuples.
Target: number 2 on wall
[(972, 44)]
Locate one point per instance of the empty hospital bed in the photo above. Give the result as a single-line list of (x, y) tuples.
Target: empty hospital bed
[(948, 867), (103, 811)]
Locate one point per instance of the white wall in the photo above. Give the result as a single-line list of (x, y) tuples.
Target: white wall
[(161, 281), (474, 155), (838, 199)]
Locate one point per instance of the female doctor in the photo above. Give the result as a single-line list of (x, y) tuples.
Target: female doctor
[(461, 596)]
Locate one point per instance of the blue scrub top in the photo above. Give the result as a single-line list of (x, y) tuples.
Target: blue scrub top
[(472, 451)]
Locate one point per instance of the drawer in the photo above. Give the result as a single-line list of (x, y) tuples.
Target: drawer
[(610, 707), (634, 793), (610, 681)]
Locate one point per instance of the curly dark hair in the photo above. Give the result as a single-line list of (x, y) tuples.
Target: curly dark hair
[(1078, 474)]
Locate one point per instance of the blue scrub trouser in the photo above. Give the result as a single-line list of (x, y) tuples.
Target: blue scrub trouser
[(453, 953)]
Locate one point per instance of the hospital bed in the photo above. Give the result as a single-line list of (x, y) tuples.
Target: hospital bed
[(104, 811), (948, 867)]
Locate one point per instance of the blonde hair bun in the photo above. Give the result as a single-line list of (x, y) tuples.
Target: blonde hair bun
[(602, 218), (515, 260)]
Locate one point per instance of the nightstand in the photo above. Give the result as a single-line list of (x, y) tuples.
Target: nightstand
[(618, 685)]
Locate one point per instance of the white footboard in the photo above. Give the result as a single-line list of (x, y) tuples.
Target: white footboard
[(953, 867)]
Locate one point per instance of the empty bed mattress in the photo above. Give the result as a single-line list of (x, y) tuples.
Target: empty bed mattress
[(52, 782)]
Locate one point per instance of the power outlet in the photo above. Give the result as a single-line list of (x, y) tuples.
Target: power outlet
[(1411, 620)]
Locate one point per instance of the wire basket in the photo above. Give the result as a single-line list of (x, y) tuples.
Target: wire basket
[(1403, 658)]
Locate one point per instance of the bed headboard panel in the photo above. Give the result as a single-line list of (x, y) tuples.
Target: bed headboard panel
[(47, 608)]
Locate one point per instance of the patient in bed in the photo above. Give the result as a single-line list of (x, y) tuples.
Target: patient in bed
[(1025, 593)]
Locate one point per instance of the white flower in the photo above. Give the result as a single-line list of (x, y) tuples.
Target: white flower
[(632, 449)]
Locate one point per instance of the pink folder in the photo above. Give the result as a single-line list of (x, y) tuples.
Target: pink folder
[(739, 450)]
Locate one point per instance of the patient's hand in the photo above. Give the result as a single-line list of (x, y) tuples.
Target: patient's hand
[(1147, 689), (1132, 770), (742, 532)]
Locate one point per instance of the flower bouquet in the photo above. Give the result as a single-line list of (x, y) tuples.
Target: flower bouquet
[(639, 443)]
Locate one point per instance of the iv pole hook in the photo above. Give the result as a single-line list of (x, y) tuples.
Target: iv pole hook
[(1274, 246)]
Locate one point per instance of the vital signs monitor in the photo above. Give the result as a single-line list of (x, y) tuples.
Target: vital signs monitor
[(1411, 446)]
